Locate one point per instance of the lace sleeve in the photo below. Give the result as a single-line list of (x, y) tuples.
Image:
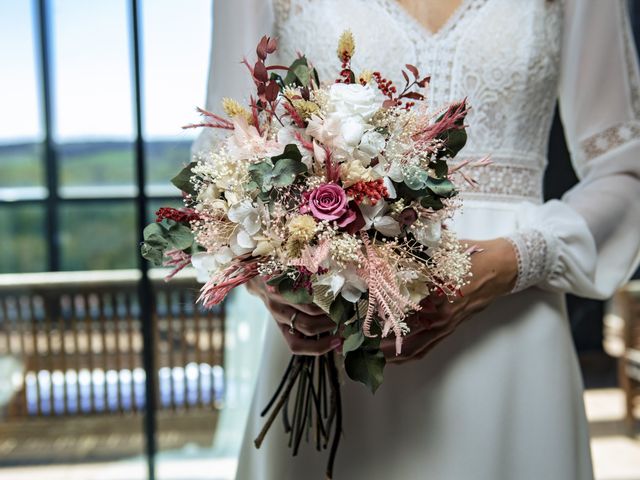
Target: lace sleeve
[(589, 242), (535, 255)]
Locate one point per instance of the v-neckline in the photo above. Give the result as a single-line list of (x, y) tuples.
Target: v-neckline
[(446, 27)]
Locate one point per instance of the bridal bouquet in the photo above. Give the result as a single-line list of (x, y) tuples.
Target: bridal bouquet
[(335, 194)]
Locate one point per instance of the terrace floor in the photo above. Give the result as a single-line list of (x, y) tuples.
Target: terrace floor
[(616, 456)]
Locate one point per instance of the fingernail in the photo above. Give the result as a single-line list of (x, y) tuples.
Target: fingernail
[(335, 343)]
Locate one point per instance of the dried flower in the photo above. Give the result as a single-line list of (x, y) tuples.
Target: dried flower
[(233, 109), (305, 108), (346, 46)]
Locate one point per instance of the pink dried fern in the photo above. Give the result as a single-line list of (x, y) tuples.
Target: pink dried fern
[(385, 297)]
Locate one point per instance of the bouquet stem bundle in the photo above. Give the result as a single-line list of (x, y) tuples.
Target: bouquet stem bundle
[(317, 405)]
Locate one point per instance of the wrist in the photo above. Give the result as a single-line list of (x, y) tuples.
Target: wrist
[(501, 264)]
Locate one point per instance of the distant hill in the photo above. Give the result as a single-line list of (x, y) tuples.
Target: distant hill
[(91, 162)]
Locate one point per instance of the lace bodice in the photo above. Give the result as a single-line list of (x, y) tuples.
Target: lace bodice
[(509, 84), (513, 59)]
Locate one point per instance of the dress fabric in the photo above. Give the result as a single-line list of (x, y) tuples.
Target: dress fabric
[(501, 398)]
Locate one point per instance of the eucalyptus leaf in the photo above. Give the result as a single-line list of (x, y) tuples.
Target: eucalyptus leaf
[(180, 237), (154, 235), (299, 66), (286, 171), (441, 187), (152, 254), (415, 178), (366, 366), (183, 180), (261, 174)]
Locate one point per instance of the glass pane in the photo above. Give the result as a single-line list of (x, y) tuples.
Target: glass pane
[(154, 205), (93, 99), (22, 236), (98, 235), (175, 77), (20, 126)]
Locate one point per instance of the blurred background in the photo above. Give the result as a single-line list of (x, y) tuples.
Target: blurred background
[(105, 371)]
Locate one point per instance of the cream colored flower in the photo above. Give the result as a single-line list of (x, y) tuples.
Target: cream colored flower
[(365, 76), (353, 172), (302, 228), (305, 108), (346, 46)]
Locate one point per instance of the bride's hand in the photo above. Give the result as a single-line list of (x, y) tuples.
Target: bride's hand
[(494, 273), (310, 332)]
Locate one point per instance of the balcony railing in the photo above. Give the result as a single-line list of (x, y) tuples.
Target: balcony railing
[(71, 345)]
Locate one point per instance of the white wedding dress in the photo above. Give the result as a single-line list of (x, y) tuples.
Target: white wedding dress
[(501, 398)]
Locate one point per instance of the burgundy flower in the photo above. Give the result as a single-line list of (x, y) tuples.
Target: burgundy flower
[(407, 217)]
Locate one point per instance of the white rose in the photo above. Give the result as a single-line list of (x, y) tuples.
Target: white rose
[(353, 100), (351, 131), (372, 143)]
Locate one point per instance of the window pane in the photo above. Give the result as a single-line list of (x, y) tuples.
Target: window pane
[(20, 126), (86, 165), (154, 205), (22, 238), (175, 77), (98, 235), (92, 92), (21, 172)]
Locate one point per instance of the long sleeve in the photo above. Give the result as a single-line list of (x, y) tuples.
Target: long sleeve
[(238, 25), (588, 243)]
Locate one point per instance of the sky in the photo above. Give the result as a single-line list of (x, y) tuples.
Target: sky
[(91, 63)]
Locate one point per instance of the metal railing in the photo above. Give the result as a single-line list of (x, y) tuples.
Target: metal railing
[(78, 338)]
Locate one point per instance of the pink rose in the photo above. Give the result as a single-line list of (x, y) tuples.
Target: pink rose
[(329, 202)]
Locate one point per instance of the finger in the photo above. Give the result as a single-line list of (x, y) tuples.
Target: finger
[(305, 324), (300, 345), (308, 308)]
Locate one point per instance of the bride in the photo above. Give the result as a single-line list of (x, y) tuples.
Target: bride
[(491, 389)]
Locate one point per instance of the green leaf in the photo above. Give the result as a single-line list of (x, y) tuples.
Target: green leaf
[(180, 236), (152, 254), (366, 366), (341, 310), (276, 280), (290, 151), (298, 73), (454, 140), (415, 178), (261, 173), (183, 180), (441, 187), (299, 296), (286, 171), (154, 235), (441, 168), (429, 201), (353, 342)]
